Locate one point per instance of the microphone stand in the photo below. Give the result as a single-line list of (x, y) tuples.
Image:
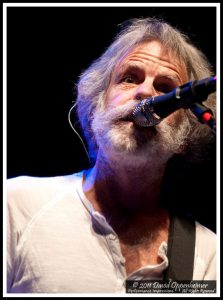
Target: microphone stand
[(204, 115)]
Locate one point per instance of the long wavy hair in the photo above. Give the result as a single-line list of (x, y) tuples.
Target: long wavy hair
[(94, 81)]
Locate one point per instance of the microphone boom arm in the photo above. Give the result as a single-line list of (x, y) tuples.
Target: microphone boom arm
[(151, 111)]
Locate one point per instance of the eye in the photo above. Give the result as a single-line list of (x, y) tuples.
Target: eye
[(129, 78), (164, 85)]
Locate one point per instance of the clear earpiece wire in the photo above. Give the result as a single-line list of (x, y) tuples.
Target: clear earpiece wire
[(75, 131)]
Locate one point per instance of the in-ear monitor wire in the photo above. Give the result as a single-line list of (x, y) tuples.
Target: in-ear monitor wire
[(75, 131)]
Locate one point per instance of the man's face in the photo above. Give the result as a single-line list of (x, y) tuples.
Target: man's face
[(146, 71)]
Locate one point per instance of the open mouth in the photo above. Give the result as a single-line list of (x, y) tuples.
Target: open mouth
[(124, 119), (140, 127), (127, 119)]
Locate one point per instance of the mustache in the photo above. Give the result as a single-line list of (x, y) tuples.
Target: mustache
[(117, 113)]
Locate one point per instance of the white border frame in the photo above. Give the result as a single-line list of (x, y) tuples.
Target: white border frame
[(5, 5)]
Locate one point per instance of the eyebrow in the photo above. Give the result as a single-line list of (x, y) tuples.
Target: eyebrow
[(130, 66)]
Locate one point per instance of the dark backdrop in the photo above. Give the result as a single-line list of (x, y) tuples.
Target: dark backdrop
[(47, 49)]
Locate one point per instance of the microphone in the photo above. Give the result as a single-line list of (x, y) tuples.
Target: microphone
[(151, 111)]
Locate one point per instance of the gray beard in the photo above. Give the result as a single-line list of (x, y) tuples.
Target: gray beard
[(118, 137)]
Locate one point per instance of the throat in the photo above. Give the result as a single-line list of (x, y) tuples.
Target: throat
[(120, 193)]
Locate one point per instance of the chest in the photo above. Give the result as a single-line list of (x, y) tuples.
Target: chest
[(146, 252)]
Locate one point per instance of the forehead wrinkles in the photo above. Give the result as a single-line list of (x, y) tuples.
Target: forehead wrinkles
[(143, 56)]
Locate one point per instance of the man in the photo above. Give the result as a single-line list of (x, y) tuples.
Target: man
[(91, 232)]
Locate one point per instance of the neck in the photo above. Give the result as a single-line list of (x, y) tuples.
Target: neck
[(122, 191)]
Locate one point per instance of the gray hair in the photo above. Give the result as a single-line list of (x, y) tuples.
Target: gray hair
[(95, 80)]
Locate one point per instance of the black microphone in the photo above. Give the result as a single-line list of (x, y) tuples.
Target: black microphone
[(151, 111)]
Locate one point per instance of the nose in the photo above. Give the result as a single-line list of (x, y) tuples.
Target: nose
[(145, 90)]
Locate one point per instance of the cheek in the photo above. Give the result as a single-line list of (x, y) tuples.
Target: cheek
[(116, 97), (175, 118)]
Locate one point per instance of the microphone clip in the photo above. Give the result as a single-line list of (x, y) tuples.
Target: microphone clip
[(144, 114)]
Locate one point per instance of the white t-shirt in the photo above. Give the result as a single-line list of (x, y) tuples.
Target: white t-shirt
[(57, 243)]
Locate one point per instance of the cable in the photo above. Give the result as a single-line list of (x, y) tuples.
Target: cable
[(75, 131)]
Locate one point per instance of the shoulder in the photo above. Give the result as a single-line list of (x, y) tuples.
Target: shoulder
[(26, 195), (30, 185), (28, 182)]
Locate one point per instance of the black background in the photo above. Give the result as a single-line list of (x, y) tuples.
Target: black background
[(47, 49)]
